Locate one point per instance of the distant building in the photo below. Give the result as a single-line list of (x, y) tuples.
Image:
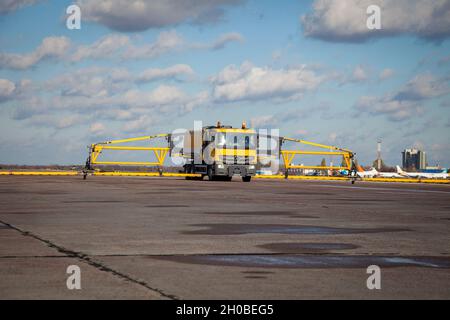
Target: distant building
[(414, 159)]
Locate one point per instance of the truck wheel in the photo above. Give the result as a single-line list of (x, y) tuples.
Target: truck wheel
[(210, 174), (247, 178)]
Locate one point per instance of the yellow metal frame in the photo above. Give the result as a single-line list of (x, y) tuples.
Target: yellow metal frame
[(159, 152), (289, 155)]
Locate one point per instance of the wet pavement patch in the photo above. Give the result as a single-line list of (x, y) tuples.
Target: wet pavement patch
[(293, 247), (311, 261), (289, 214), (235, 229)]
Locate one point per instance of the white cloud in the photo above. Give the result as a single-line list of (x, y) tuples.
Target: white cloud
[(57, 122), (406, 102), (280, 117), (396, 110), (15, 91), (424, 86), (345, 20), (139, 15), (264, 121), (50, 47), (91, 82), (142, 124), (101, 48), (167, 41), (359, 74), (7, 89), (174, 71), (221, 41), (332, 137), (109, 94), (97, 128), (112, 46), (301, 132), (161, 96), (248, 82), (386, 74), (7, 6)]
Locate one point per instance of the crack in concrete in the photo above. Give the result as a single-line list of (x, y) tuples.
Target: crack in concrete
[(87, 259)]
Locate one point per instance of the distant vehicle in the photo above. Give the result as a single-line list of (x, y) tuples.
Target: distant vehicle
[(426, 175)]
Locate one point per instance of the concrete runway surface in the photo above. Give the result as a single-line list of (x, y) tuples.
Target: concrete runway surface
[(168, 238)]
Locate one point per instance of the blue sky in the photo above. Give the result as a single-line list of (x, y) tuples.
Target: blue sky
[(324, 77)]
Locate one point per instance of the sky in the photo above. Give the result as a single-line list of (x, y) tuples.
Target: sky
[(312, 69)]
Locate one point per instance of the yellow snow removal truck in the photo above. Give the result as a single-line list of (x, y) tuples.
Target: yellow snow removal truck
[(220, 152)]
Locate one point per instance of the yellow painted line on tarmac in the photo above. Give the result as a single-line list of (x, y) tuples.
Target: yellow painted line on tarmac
[(398, 180), (275, 176), (318, 178), (443, 181), (146, 174), (279, 176), (402, 180), (170, 174), (406, 180), (137, 174), (39, 173)]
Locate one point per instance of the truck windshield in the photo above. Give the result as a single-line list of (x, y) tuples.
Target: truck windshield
[(236, 140)]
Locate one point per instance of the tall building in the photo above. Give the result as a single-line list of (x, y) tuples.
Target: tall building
[(379, 155), (414, 159)]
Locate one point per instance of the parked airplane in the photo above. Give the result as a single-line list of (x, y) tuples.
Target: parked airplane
[(388, 174), (365, 174), (374, 173), (427, 175)]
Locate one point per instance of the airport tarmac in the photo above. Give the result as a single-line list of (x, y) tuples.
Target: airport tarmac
[(170, 238)]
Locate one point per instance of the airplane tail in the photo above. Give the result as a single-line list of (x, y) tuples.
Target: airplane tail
[(399, 170)]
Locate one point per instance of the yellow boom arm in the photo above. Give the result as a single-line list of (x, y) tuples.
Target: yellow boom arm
[(96, 149), (289, 155)]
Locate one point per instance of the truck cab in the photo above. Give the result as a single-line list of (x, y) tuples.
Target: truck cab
[(220, 152)]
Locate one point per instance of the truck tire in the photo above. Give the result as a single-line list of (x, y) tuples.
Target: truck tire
[(210, 174), (247, 178)]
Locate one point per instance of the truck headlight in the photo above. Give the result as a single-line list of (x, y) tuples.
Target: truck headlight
[(251, 167), (220, 166)]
